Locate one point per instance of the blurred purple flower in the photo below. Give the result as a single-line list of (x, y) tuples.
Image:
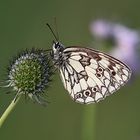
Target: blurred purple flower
[(101, 29), (127, 41)]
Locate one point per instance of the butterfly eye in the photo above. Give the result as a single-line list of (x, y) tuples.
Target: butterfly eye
[(56, 46)]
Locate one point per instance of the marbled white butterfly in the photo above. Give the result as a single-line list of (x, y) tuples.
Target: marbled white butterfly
[(88, 75)]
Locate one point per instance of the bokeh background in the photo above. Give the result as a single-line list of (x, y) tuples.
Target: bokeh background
[(22, 25)]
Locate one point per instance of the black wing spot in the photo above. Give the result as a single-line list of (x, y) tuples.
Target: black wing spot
[(113, 73)]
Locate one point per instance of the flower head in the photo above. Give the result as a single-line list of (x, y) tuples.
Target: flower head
[(29, 74)]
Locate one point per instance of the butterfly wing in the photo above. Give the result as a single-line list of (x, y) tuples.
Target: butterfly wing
[(89, 76)]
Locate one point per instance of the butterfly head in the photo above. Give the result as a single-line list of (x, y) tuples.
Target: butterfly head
[(57, 47), (57, 50)]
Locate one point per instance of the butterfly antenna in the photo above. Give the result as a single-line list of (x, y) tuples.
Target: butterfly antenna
[(52, 31), (55, 23)]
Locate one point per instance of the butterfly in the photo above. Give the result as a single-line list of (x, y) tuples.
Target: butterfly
[(87, 74)]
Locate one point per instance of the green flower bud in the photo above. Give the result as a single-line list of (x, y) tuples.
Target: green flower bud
[(30, 74)]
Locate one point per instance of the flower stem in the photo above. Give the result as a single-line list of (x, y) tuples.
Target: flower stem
[(8, 111), (88, 128)]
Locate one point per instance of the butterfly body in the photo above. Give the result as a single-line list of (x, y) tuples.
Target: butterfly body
[(89, 75)]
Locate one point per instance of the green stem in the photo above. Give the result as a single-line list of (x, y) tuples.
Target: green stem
[(89, 119), (8, 111)]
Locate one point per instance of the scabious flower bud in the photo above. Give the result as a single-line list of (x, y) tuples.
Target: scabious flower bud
[(29, 74)]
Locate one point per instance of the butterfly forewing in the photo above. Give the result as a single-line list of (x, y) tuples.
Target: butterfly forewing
[(89, 76)]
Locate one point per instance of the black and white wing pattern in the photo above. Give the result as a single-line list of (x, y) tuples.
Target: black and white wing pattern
[(89, 75)]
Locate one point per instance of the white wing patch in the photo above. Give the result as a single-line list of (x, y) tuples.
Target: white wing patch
[(76, 65), (89, 76)]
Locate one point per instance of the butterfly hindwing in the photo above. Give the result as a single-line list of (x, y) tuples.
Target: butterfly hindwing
[(89, 76)]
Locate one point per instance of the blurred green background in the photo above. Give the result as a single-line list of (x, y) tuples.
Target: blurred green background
[(22, 25)]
